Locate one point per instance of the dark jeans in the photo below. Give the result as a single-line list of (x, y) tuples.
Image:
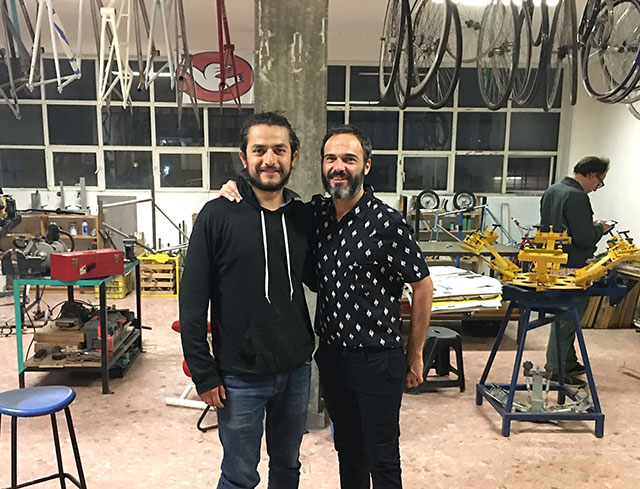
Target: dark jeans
[(363, 392), (567, 328), (284, 399)]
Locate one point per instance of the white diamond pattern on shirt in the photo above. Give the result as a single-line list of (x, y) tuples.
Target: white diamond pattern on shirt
[(363, 261)]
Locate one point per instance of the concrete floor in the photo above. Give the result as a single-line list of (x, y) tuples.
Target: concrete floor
[(132, 439)]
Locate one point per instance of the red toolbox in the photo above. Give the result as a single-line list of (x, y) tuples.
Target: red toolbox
[(80, 265)]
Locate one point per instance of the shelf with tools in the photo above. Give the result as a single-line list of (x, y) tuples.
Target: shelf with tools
[(82, 345)]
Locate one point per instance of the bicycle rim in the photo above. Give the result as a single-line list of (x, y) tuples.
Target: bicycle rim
[(401, 86), (440, 87), (390, 42), (523, 72), (430, 24), (498, 50), (610, 70), (470, 22)]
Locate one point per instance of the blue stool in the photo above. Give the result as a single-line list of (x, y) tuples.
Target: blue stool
[(40, 401)]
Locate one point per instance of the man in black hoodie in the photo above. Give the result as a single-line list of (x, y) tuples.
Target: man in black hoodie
[(248, 262)]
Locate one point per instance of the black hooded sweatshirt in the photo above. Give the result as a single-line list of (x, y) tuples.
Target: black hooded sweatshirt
[(249, 264)]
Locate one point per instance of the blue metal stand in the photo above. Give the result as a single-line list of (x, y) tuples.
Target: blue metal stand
[(548, 304)]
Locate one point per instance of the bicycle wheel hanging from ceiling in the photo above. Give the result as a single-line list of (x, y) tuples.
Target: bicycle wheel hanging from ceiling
[(563, 49), (536, 80), (393, 31), (524, 76), (438, 90), (611, 54), (402, 82), (498, 51), (430, 21), (470, 22)]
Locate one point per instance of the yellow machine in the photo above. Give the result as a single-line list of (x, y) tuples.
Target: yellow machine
[(547, 259)]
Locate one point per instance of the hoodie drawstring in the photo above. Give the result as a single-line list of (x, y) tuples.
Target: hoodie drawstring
[(266, 257), (286, 248)]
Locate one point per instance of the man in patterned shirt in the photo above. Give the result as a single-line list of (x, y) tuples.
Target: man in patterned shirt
[(365, 252)]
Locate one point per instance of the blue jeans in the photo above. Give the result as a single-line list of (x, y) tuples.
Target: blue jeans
[(283, 398)]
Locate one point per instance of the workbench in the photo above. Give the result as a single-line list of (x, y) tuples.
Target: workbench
[(131, 345)]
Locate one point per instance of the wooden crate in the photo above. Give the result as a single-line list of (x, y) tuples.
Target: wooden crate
[(600, 314), (159, 276)]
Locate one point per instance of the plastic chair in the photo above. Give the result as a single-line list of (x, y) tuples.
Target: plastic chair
[(436, 356), (31, 402)]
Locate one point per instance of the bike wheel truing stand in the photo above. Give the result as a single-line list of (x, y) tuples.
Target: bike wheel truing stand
[(548, 304)]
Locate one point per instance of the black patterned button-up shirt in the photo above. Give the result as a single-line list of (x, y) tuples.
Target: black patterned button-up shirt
[(363, 261)]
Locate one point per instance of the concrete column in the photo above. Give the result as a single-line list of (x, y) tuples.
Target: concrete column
[(291, 77)]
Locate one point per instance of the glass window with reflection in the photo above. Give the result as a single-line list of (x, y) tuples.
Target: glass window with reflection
[(534, 131), (222, 167), (180, 170), (478, 173), (126, 127), (22, 168), (425, 172), (481, 131), (128, 169), (169, 133), (524, 173), (383, 173), (26, 130), (83, 88), (72, 124), (225, 126), (381, 127), (69, 167), (427, 130)]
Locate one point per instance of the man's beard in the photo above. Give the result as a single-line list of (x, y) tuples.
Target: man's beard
[(343, 191), (267, 187)]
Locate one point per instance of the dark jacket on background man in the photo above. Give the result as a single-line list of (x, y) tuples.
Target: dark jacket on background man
[(566, 206), (249, 263)]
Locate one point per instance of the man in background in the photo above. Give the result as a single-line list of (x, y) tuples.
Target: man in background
[(566, 206)]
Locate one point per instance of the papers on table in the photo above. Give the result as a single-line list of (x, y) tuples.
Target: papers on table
[(458, 290)]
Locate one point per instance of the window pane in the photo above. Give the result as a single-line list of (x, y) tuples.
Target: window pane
[(381, 127), (128, 169), (481, 130), (26, 130), (424, 173), (528, 174), (69, 167), (335, 118), (23, 91), (478, 174), (72, 124), (126, 127), (336, 80), (427, 130), (225, 126), (363, 87), (142, 94), (81, 89), (169, 134), (22, 168), (162, 86), (180, 170), (222, 167), (468, 90), (537, 132), (382, 176)]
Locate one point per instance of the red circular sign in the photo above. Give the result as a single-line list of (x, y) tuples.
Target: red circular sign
[(206, 72)]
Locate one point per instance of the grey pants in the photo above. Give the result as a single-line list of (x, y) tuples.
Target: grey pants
[(566, 327)]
